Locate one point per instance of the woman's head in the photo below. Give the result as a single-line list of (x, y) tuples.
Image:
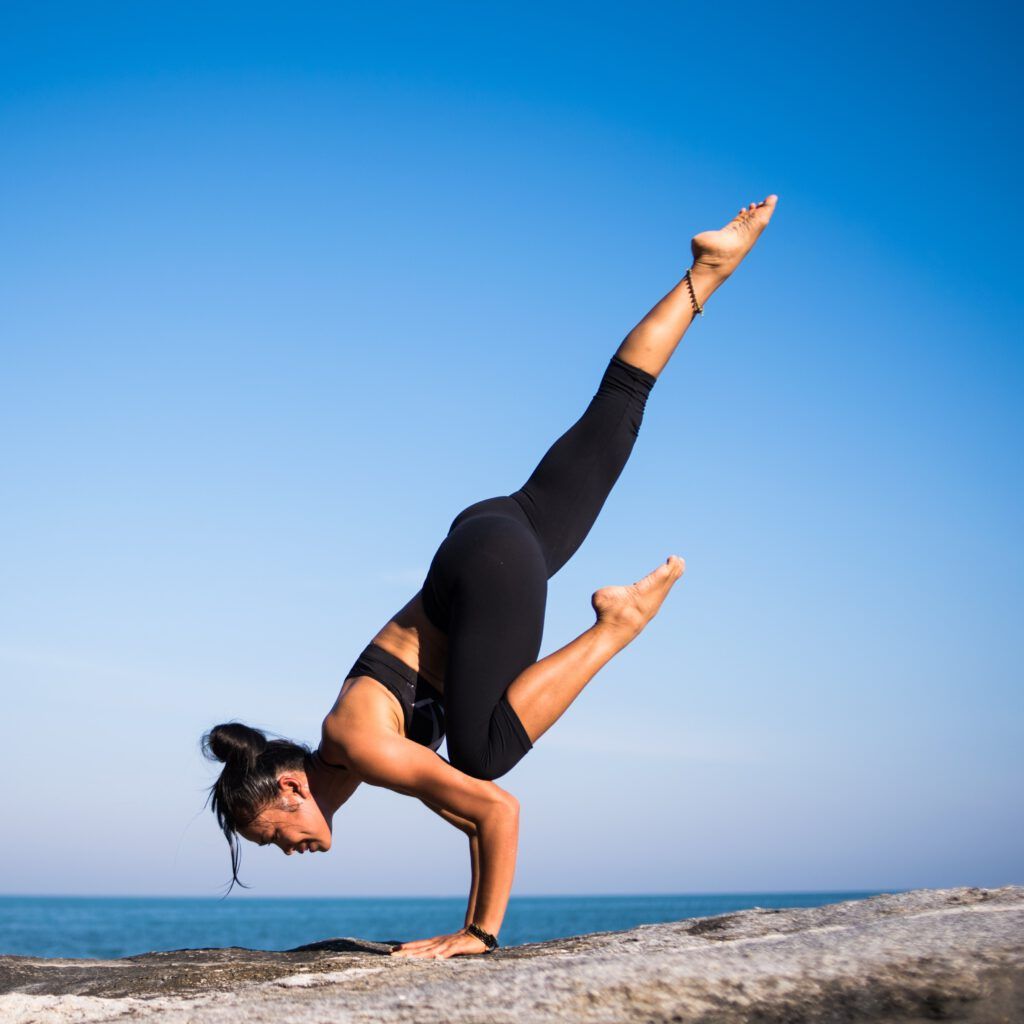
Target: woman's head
[(263, 792)]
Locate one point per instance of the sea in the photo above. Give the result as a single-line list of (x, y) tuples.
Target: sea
[(108, 927)]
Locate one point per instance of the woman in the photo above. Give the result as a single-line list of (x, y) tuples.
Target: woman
[(460, 657)]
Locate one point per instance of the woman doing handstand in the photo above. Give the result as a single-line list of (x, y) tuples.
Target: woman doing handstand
[(460, 659)]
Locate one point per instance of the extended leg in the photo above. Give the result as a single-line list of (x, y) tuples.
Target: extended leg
[(571, 483)]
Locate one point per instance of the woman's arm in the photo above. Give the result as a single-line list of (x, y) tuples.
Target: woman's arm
[(389, 760), (474, 885), (474, 853), (453, 819)]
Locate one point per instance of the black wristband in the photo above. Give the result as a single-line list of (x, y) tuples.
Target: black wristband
[(485, 937)]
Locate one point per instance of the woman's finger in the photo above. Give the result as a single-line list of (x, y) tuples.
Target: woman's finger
[(418, 942), (418, 948), (413, 948), (421, 954)]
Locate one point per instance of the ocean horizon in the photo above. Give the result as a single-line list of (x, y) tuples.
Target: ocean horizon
[(105, 927)]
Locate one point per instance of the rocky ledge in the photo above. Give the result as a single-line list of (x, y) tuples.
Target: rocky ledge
[(926, 955)]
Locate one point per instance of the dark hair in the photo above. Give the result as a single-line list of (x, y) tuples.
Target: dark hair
[(248, 782)]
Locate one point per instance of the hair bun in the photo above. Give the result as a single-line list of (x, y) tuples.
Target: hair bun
[(235, 744)]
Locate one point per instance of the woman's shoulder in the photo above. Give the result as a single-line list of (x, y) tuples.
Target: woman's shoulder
[(363, 705)]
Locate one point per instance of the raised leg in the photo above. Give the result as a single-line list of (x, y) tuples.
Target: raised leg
[(571, 483)]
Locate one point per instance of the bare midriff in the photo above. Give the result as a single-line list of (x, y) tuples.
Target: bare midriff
[(415, 641)]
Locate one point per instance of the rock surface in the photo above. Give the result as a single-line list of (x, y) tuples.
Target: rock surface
[(926, 955)]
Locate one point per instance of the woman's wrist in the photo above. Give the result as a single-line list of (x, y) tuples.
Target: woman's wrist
[(489, 939), (484, 925)]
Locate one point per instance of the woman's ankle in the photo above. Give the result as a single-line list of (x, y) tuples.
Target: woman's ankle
[(706, 280)]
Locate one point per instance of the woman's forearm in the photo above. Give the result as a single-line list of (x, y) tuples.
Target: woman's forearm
[(498, 842), (474, 862)]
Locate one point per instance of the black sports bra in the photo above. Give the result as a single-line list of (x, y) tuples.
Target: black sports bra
[(422, 704)]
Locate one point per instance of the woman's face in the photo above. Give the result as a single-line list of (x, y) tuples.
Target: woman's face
[(294, 822)]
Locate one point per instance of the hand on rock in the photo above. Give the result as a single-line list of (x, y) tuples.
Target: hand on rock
[(441, 947)]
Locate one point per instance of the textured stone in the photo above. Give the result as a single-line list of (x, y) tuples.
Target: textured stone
[(926, 955)]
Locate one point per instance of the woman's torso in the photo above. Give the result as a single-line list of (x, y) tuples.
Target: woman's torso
[(412, 638), (364, 700)]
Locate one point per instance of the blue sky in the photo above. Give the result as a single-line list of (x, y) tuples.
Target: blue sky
[(283, 290)]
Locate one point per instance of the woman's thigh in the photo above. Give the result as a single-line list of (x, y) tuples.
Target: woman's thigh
[(496, 596)]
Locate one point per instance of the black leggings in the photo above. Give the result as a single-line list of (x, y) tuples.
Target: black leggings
[(487, 584)]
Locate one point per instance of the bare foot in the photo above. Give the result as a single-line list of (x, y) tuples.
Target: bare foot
[(631, 608), (719, 252)]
